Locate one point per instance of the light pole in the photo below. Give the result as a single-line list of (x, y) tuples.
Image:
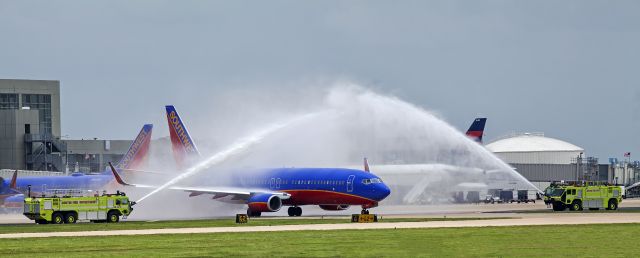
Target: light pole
[(578, 163)]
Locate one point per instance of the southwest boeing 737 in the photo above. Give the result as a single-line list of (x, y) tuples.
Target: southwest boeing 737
[(267, 190), (78, 181)]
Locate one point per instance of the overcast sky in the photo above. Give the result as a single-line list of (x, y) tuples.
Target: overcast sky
[(566, 68)]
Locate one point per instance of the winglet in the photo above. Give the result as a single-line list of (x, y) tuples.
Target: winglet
[(366, 165), (117, 176), (14, 179)]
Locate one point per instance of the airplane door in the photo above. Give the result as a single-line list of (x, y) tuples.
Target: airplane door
[(350, 183), (272, 183), (278, 183)]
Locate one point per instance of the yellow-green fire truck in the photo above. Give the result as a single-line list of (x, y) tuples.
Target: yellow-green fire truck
[(578, 197), (69, 209)]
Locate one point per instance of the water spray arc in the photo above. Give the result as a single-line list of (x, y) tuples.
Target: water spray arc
[(356, 122), (236, 149)]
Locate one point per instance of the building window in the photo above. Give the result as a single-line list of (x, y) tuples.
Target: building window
[(8, 101), (42, 103)]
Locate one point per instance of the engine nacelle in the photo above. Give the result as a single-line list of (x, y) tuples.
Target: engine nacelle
[(334, 207), (264, 203)]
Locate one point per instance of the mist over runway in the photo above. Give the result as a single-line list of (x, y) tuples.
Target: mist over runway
[(348, 122)]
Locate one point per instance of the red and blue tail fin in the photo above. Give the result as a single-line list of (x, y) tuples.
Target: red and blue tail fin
[(184, 149), (137, 153), (476, 130), (14, 180)]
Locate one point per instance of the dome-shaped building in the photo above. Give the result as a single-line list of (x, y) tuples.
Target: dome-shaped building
[(534, 148), (539, 158)]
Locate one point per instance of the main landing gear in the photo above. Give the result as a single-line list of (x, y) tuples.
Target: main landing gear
[(294, 211), (364, 212), (251, 213)]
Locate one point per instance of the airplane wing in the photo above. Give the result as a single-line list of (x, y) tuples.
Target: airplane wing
[(234, 193)]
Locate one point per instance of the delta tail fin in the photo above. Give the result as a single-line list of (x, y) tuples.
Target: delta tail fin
[(476, 130), (137, 153), (184, 149)]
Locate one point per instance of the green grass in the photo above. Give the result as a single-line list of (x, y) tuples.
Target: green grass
[(230, 222), (521, 241)]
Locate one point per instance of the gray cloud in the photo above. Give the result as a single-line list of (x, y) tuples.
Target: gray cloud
[(566, 68)]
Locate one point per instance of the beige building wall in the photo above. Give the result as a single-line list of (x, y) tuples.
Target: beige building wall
[(50, 87), (12, 131)]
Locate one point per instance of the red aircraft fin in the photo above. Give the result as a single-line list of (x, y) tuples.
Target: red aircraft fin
[(366, 165), (14, 179)]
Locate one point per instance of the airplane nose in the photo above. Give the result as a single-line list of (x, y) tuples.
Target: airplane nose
[(383, 191)]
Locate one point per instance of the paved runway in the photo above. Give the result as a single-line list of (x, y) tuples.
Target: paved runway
[(538, 219), (520, 214)]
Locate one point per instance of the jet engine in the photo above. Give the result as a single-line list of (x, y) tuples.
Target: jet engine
[(264, 203)]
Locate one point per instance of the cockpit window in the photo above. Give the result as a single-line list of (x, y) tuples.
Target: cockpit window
[(371, 181)]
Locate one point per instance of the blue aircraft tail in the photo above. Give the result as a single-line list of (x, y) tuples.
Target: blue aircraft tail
[(184, 149), (476, 130)]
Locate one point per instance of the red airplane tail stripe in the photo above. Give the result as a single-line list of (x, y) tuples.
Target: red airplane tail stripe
[(14, 180)]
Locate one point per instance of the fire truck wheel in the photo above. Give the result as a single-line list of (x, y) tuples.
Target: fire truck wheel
[(70, 218), (57, 218), (112, 217), (576, 205), (613, 205)]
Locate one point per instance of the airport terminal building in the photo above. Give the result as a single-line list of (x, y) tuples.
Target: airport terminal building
[(30, 132)]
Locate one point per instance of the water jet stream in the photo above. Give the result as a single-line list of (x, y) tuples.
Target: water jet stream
[(235, 149)]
